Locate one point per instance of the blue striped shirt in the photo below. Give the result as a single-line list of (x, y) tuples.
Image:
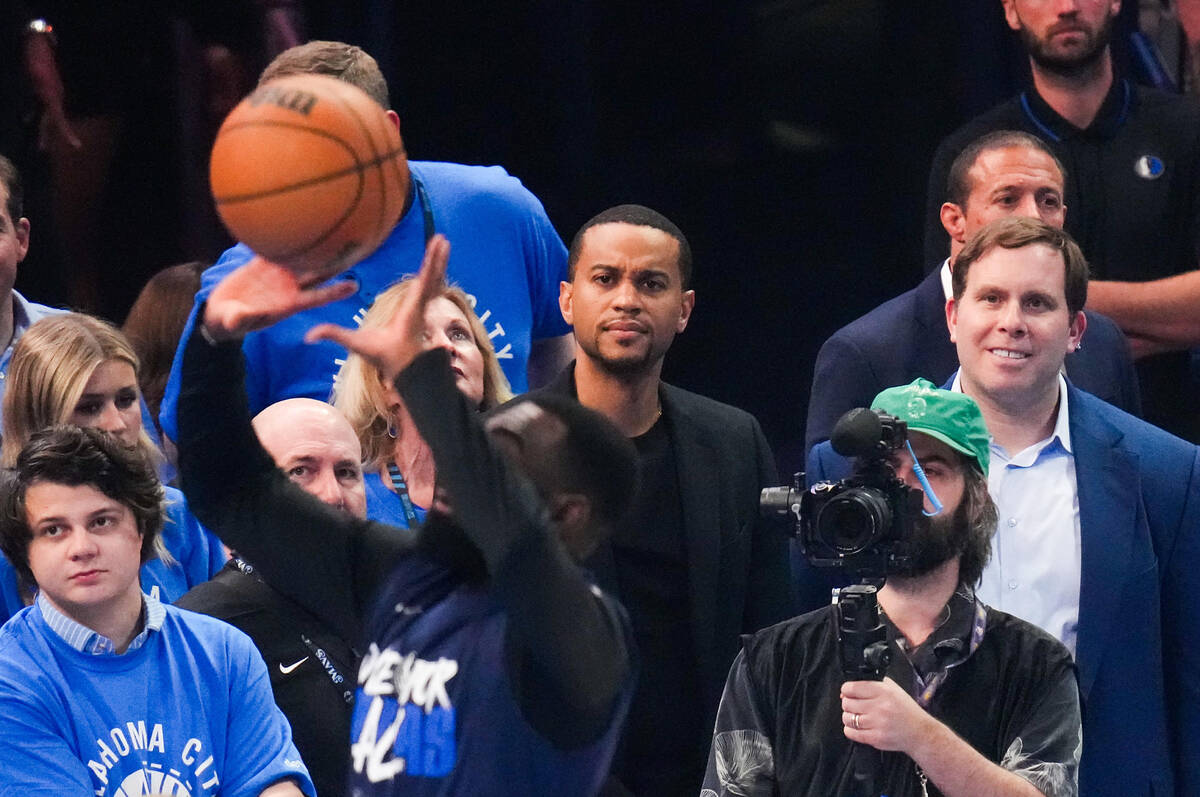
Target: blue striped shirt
[(85, 640)]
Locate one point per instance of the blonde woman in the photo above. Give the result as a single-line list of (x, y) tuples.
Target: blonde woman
[(398, 465), (79, 370)]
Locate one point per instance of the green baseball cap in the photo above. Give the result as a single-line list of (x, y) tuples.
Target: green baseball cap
[(953, 418)]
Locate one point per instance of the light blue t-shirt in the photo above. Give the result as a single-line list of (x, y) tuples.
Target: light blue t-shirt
[(503, 252), (189, 712)]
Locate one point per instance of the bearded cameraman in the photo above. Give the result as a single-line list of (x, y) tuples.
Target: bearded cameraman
[(974, 702)]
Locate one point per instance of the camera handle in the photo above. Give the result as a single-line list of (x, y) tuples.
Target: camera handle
[(862, 646)]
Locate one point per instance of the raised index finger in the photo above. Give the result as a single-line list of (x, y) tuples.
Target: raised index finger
[(410, 315)]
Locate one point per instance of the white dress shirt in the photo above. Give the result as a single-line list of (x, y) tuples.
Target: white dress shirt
[(1035, 566)]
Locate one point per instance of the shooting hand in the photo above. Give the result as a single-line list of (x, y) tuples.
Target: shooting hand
[(887, 717), (261, 293), (392, 347)]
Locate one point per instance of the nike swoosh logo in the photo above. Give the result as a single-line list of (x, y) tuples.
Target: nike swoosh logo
[(289, 668)]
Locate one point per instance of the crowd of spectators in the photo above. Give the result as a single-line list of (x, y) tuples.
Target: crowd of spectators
[(453, 532)]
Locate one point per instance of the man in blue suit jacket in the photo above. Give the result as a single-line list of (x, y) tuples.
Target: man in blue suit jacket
[(1130, 491), (1003, 173)]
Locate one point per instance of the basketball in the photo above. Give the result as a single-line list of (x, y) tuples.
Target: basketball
[(309, 172)]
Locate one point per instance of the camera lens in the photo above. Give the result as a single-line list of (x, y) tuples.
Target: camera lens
[(776, 502), (852, 521)]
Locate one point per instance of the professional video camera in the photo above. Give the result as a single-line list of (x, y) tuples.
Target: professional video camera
[(857, 523)]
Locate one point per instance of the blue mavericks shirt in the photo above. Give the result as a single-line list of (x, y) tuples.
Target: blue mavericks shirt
[(435, 712)]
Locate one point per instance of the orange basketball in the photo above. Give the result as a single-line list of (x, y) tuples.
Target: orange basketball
[(308, 171)]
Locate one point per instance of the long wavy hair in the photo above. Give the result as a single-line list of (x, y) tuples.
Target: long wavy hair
[(358, 389), (50, 367)]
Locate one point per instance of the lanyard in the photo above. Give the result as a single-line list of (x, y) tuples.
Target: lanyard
[(398, 483), (326, 663), (929, 686), (401, 488), (426, 209)]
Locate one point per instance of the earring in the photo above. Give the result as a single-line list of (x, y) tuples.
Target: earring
[(391, 426)]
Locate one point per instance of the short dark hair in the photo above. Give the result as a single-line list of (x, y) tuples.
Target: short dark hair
[(641, 216), (1014, 232), (10, 177), (73, 456), (596, 459), (345, 62), (958, 181)]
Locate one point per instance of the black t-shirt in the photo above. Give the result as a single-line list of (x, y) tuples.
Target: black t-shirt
[(665, 743)]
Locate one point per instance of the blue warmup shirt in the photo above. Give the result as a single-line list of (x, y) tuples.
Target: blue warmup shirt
[(434, 691), (198, 557), (190, 712), (503, 252)]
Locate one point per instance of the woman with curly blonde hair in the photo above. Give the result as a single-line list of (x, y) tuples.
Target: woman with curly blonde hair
[(79, 370), (398, 465)]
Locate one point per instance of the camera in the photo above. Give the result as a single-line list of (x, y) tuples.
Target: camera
[(858, 523)]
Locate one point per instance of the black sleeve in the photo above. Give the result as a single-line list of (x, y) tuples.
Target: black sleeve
[(561, 633), (325, 560), (741, 761)]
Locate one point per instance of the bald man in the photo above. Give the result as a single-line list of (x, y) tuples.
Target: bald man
[(312, 669), (314, 444)]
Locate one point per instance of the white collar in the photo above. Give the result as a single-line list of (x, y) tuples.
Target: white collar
[(1062, 423), (85, 640)]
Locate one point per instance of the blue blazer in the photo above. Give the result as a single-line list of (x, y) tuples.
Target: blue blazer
[(1138, 649), (906, 337)]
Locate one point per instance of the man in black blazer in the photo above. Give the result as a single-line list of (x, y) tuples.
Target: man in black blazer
[(1000, 174), (692, 563)]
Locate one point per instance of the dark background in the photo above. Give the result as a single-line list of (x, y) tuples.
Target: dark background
[(789, 139)]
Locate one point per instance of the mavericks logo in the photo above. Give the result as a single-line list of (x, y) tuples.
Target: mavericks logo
[(403, 718), (1149, 167)]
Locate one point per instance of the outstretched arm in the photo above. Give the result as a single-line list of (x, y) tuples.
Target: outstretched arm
[(320, 557), (568, 658)]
